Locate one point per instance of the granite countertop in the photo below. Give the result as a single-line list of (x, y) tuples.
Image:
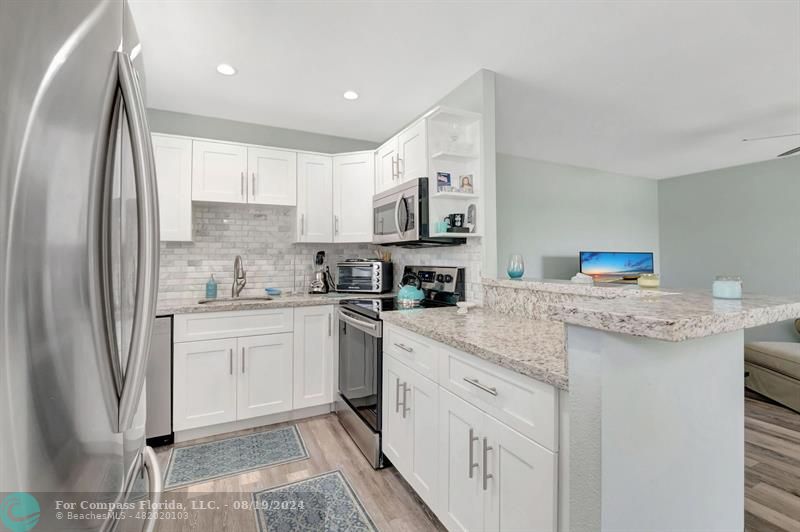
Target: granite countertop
[(559, 286), (676, 316), (224, 304), (535, 348)]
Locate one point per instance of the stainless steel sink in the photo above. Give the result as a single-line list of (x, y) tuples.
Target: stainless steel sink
[(230, 300)]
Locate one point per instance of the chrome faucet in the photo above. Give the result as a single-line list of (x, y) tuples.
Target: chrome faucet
[(239, 277)]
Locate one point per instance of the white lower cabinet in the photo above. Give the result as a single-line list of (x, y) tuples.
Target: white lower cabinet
[(313, 356), (473, 470), (265, 375), (204, 383), (233, 373)]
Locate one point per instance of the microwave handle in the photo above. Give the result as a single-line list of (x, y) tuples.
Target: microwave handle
[(400, 200)]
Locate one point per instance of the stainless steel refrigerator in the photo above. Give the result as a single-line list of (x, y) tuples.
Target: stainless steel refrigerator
[(78, 256)]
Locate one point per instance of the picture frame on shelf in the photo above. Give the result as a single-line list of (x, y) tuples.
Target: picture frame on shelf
[(465, 183), (443, 181)]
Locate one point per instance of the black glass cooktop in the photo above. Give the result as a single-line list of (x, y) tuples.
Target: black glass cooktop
[(372, 308)]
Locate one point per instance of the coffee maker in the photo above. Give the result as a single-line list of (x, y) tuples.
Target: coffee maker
[(322, 281)]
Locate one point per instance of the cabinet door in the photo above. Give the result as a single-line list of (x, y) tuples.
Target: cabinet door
[(413, 152), (353, 188), (460, 469), (521, 494), (173, 157), (204, 383), (422, 400), (218, 172), (273, 176), (313, 356), (395, 435), (314, 198), (265, 375), (386, 166)]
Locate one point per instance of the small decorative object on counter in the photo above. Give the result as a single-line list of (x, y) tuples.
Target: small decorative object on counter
[(727, 287), (649, 280), (273, 291), (516, 267), (211, 288), (582, 278), (464, 306)]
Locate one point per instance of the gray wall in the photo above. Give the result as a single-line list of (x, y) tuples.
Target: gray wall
[(220, 129), (548, 212), (742, 220)]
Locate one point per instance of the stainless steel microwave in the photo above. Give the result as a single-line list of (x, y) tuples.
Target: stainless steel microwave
[(371, 276), (401, 218)]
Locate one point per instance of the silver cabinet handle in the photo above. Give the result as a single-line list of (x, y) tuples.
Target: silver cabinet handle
[(406, 410), (230, 361), (336, 225), (330, 324), (405, 348), (395, 168), (302, 224), (155, 485), (254, 185), (144, 173), (243, 360), (486, 475), (478, 384), (472, 440), (397, 396), (241, 184), (399, 174)]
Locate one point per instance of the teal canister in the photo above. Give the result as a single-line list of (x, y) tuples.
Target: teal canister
[(211, 288)]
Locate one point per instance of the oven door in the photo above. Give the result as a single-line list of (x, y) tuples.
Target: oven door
[(360, 366), (396, 215)]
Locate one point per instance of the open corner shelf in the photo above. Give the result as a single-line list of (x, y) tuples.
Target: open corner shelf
[(454, 195), (457, 235), (454, 155)]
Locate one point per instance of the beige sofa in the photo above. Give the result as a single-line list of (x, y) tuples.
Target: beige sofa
[(773, 370)]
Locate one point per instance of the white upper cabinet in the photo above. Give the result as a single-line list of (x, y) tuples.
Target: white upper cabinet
[(353, 188), (173, 156), (314, 203), (412, 152), (218, 172), (386, 166), (272, 176)]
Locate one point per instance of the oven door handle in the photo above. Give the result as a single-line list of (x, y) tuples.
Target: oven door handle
[(372, 328)]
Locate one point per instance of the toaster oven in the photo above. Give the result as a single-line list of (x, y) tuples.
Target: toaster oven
[(369, 276)]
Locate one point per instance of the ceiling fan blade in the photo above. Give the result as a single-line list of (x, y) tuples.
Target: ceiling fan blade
[(790, 152), (771, 137)]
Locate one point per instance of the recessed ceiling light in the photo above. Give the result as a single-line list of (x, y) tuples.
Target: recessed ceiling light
[(225, 69), (350, 95)]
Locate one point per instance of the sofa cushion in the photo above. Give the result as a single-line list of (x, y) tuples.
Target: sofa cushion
[(783, 357)]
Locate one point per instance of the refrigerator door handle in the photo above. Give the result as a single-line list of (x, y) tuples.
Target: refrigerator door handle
[(148, 241), (155, 485)]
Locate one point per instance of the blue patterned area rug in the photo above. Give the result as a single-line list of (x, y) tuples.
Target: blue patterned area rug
[(325, 502), (221, 458)]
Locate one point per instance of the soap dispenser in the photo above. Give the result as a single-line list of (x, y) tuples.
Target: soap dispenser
[(211, 288)]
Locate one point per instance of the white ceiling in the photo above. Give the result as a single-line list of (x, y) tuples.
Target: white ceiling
[(644, 88)]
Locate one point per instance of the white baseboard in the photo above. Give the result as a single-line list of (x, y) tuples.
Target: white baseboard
[(233, 426)]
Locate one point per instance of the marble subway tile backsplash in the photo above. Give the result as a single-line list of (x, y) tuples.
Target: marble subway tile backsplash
[(264, 236)]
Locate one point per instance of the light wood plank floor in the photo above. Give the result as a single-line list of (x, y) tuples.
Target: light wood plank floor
[(772, 477), (772, 466), (390, 502)]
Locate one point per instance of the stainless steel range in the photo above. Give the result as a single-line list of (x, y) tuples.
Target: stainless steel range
[(358, 404)]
